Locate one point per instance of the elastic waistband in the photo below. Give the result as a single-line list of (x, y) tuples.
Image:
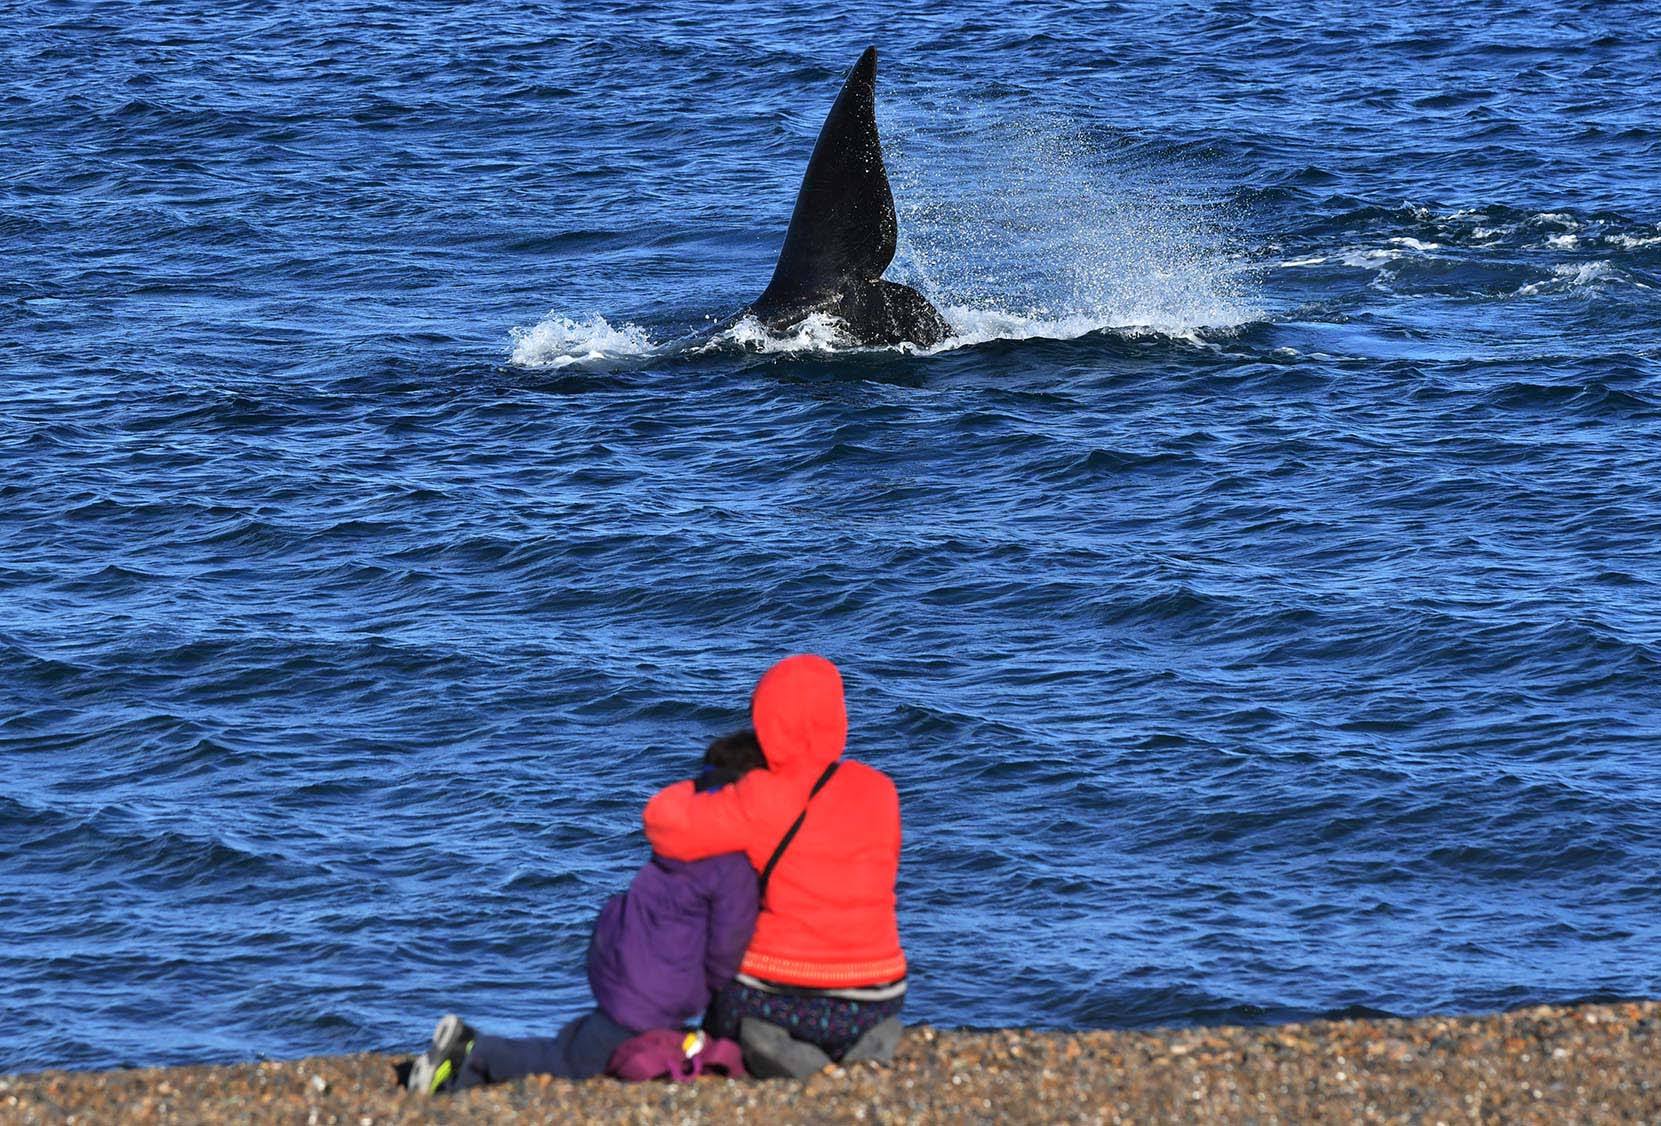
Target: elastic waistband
[(823, 975), (884, 992)]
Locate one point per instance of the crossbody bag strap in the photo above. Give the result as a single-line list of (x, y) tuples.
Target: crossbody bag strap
[(790, 834)]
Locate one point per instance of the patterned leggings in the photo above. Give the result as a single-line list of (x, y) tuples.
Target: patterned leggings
[(830, 1022)]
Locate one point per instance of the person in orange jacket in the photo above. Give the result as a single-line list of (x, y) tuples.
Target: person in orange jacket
[(824, 976)]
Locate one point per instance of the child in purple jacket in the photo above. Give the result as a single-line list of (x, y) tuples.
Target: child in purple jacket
[(658, 953)]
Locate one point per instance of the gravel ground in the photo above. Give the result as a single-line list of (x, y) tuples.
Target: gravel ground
[(1591, 1063)]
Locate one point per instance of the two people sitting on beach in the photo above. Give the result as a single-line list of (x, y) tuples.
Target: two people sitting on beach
[(767, 905)]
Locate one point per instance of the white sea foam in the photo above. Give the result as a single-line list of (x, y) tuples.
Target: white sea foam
[(820, 332), (978, 326), (1429, 214), (558, 341), (1368, 257), (1371, 257), (1571, 276), (1556, 230)]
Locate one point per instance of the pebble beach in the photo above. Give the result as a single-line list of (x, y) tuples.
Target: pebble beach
[(1588, 1063)]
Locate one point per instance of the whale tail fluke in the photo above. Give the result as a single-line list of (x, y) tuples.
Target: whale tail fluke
[(842, 233)]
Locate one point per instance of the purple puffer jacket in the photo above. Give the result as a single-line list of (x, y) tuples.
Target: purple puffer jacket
[(661, 949)]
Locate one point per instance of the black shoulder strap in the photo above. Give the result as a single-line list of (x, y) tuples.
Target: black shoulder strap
[(790, 834)]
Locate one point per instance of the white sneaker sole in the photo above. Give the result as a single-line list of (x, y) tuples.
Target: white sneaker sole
[(426, 1067)]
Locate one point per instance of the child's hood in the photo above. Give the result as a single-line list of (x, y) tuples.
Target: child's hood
[(798, 713)]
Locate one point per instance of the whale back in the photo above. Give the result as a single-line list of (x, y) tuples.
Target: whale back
[(843, 229)]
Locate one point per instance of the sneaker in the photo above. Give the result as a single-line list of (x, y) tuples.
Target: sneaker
[(437, 1069)]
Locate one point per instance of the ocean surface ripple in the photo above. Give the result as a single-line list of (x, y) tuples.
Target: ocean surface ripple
[(1255, 601)]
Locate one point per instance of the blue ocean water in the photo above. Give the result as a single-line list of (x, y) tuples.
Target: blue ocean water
[(1256, 602)]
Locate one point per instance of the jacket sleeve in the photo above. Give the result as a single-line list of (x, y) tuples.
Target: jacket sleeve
[(685, 825), (732, 921)]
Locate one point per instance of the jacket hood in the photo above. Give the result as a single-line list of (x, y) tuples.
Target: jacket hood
[(798, 713)]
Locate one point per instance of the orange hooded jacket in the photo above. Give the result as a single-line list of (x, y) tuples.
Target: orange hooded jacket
[(828, 919)]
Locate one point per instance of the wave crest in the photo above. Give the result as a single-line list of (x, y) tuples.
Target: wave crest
[(558, 341), (819, 332), (1573, 276)]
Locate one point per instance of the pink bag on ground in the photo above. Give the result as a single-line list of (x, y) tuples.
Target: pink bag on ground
[(664, 1053)]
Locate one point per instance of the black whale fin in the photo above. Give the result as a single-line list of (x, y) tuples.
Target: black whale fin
[(843, 229)]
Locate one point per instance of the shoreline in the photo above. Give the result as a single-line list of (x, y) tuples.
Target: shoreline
[(1587, 1063)]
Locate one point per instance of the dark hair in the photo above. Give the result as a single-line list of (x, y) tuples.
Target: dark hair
[(729, 758)]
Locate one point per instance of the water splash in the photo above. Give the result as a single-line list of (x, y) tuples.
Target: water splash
[(1035, 227), (820, 332), (558, 341)]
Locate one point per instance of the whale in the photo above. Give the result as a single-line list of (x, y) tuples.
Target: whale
[(843, 232)]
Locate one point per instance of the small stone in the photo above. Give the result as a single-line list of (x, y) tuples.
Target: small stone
[(319, 1084)]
